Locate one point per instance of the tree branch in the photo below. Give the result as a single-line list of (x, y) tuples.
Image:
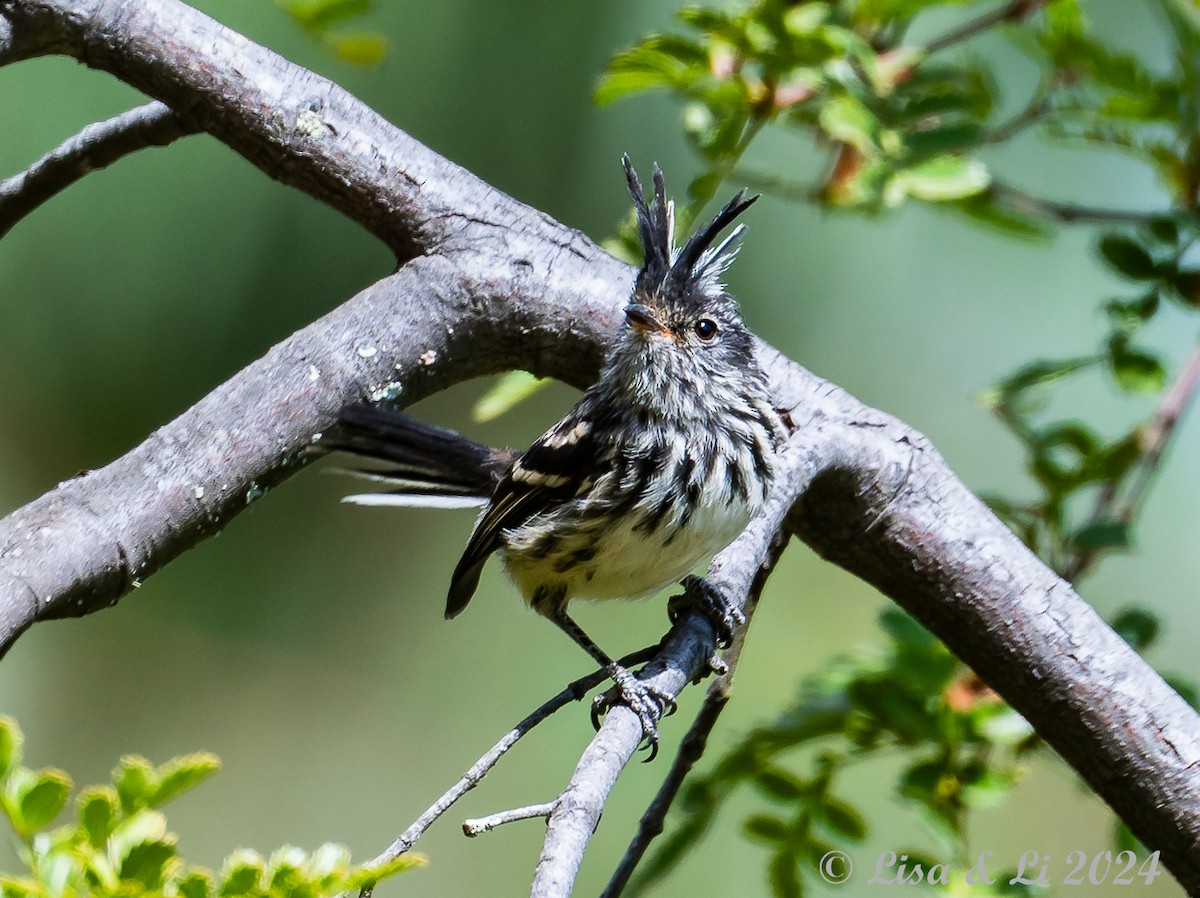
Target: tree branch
[(695, 741), (97, 146), (1013, 11), (1153, 441), (492, 285), (1067, 213), (477, 827)]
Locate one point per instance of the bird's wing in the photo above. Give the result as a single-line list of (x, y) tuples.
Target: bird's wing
[(553, 470)]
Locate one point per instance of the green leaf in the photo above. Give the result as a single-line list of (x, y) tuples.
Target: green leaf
[(362, 48), (1129, 315), (765, 828), (843, 819), (784, 876), (945, 141), (1164, 229), (906, 629), (98, 813), (986, 787), (1186, 688), (660, 61), (11, 741), (512, 388), (42, 800), (1125, 840), (779, 784), (136, 783), (940, 179), (846, 119), (147, 863), (241, 874), (1102, 535), (999, 724), (181, 774), (803, 19), (1136, 370), (363, 877), (1187, 287), (328, 858), (1137, 626), (703, 188), (982, 209), (1128, 257), (923, 779), (323, 13), (195, 884)]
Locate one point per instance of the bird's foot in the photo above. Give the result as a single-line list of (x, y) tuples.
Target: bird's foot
[(648, 703), (710, 601)]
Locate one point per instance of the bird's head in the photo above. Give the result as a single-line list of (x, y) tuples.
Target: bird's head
[(682, 327)]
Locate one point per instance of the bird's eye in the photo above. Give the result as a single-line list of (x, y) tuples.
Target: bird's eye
[(706, 329)]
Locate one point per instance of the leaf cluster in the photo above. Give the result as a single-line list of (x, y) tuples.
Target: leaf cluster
[(117, 844), (900, 125), (1067, 458)]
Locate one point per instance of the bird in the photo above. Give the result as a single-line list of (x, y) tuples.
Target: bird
[(660, 464)]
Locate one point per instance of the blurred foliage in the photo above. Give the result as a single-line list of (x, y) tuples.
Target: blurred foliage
[(905, 120), (509, 389), (326, 22), (119, 845), (962, 749)]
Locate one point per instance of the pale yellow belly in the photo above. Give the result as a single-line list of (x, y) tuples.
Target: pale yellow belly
[(628, 563)]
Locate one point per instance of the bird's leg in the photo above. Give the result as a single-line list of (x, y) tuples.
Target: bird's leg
[(646, 702), (710, 601)]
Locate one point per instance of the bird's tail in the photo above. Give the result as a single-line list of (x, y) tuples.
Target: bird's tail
[(424, 465)]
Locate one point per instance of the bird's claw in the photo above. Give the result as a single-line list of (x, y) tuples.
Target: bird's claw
[(648, 703), (725, 617)]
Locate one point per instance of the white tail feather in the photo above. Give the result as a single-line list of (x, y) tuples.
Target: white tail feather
[(407, 500)]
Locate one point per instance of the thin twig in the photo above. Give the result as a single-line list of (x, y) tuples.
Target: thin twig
[(1037, 108), (691, 749), (1067, 213), (775, 186), (481, 825), (98, 145), (1152, 444), (1012, 11), (573, 692)]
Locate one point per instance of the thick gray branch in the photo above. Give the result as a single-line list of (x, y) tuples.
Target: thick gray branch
[(493, 284)]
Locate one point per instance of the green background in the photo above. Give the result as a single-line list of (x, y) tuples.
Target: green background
[(306, 644)]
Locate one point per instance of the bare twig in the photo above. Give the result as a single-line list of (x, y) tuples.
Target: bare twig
[(1152, 443), (691, 748), (1013, 11), (573, 692), (96, 146), (481, 825), (1035, 111), (1067, 213)]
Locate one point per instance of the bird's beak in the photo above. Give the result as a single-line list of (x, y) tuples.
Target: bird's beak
[(643, 319)]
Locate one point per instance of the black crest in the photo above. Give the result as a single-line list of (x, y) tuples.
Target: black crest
[(698, 261)]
